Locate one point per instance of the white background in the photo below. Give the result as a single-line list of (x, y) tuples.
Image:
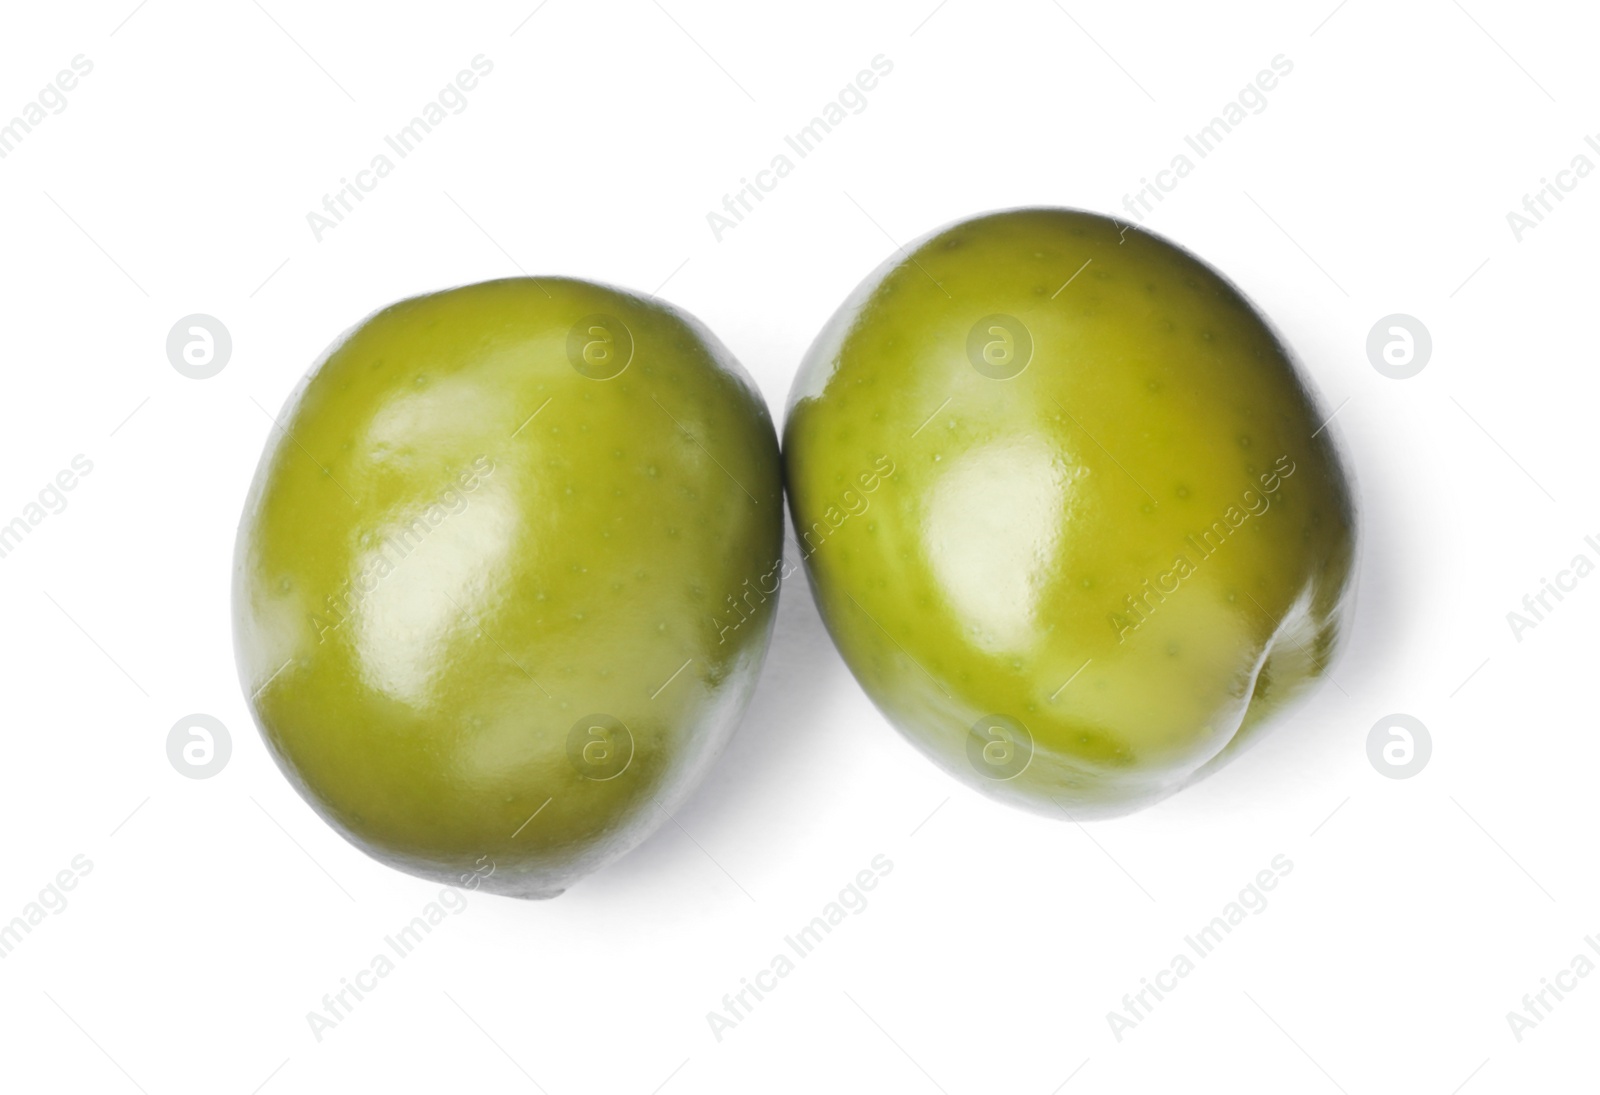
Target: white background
[(218, 912)]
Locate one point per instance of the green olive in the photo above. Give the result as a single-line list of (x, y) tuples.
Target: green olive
[(506, 577), (1068, 508)]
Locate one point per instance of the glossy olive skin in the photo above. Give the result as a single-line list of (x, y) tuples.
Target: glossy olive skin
[(1081, 585), (459, 549)]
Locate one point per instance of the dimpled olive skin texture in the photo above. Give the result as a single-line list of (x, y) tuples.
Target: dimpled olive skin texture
[(476, 589), (1066, 510)]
